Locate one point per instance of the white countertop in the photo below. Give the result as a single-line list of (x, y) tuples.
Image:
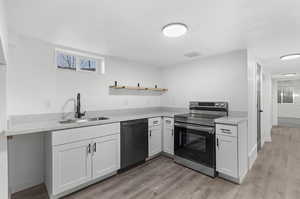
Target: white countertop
[(233, 120), (50, 124), (46, 126)]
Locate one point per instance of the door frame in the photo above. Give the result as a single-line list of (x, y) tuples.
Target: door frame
[(259, 105)]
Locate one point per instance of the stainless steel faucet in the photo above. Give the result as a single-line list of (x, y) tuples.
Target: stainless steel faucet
[(78, 113)]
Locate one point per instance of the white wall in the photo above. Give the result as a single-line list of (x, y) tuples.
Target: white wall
[(3, 140), (267, 107), (252, 108), (3, 33), (217, 78), (3, 101), (290, 110), (274, 103), (36, 86)]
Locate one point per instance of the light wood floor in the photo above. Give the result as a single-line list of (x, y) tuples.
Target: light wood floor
[(275, 175)]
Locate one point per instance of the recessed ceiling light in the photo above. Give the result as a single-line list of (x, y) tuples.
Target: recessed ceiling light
[(290, 74), (174, 29), (290, 56)]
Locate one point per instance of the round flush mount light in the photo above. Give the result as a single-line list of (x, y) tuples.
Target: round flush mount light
[(174, 29), (289, 74), (290, 56)]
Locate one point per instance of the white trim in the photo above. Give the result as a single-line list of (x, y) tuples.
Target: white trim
[(2, 54), (252, 156), (79, 53), (3, 168), (100, 60)]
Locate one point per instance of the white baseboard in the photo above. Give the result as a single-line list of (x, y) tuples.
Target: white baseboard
[(252, 156), (3, 168)]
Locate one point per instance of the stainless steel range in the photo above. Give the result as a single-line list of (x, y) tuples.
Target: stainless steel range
[(194, 140)]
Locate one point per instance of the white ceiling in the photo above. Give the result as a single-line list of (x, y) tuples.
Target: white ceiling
[(132, 29)]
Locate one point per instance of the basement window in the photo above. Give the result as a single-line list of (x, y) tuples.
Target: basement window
[(65, 61), (88, 64), (77, 61), (286, 95)]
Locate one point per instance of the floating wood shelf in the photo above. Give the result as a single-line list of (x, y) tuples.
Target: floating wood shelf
[(139, 88)]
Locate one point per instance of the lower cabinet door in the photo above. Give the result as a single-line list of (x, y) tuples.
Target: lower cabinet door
[(71, 165), (168, 136), (106, 155), (168, 140), (155, 138), (226, 155)]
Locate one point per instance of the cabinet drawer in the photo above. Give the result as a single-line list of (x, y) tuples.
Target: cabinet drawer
[(228, 130), (83, 133), (156, 121), (168, 122)]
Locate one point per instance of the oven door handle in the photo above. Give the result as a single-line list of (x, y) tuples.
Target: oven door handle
[(210, 130)]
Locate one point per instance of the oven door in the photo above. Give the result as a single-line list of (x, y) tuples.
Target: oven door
[(195, 143)]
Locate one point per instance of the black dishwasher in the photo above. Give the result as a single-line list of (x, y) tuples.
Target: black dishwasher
[(134, 143)]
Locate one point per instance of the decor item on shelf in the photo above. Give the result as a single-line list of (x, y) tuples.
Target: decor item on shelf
[(116, 83), (138, 84), (139, 88), (155, 86)]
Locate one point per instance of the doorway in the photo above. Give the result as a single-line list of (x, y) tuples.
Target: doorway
[(259, 107)]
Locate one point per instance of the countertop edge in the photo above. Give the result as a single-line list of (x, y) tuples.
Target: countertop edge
[(58, 127), (231, 120), (55, 126)]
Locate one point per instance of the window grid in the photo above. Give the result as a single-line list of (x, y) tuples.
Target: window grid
[(78, 61)]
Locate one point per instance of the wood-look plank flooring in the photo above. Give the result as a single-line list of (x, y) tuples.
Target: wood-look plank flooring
[(275, 175)]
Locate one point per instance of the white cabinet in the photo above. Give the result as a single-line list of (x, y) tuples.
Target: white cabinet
[(154, 136), (231, 151), (106, 155), (168, 135), (72, 165), (78, 157), (154, 141), (226, 155)]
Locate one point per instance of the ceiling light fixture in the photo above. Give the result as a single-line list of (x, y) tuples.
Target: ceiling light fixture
[(290, 56), (174, 29), (290, 74)]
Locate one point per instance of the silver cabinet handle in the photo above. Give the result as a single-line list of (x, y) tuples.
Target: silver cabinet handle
[(155, 122), (95, 147), (168, 121), (172, 132), (218, 143), (226, 131), (195, 127), (150, 133), (89, 148)]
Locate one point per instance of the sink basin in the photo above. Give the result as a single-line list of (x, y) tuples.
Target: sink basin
[(83, 120)]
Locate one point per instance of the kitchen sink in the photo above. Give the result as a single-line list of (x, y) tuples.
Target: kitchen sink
[(70, 121)]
